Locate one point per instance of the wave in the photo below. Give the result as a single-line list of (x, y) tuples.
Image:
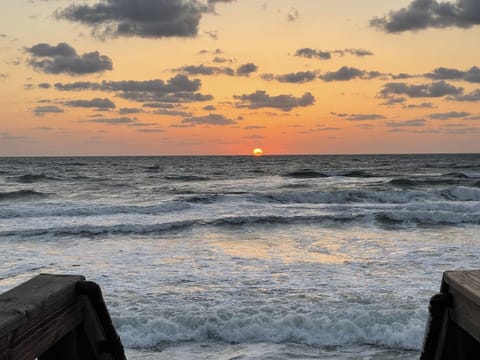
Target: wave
[(33, 178), (186, 178), (402, 329), (408, 183), (305, 174), (22, 195), (358, 174)]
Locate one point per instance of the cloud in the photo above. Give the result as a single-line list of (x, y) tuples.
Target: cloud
[(260, 99), (293, 14), (449, 115), (63, 59), (3, 76), (359, 117), (151, 130), (211, 119), (206, 70), (126, 111), (423, 105), (177, 89), (472, 96), (407, 123), (432, 90), (254, 127), (471, 75), (311, 53), (172, 112), (141, 18), (423, 14), (209, 108), (346, 73), (94, 103), (113, 121), (294, 78), (246, 69), (47, 109)]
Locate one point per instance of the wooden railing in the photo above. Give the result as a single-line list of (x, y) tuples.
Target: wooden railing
[(53, 317), (453, 330)]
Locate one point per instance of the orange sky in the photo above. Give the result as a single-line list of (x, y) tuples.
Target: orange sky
[(172, 77)]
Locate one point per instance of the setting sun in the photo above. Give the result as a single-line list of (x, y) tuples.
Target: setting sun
[(257, 152)]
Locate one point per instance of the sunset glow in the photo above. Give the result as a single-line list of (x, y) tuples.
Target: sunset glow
[(257, 152), (302, 77)]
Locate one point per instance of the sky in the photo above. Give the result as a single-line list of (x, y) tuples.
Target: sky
[(222, 77)]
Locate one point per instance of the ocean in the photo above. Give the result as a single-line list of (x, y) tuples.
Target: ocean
[(272, 257)]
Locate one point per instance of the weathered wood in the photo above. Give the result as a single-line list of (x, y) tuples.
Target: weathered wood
[(39, 296), (54, 317), (453, 332), (465, 288)]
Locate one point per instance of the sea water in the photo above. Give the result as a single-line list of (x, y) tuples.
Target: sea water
[(274, 257)]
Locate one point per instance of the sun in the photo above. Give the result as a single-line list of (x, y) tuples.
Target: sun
[(257, 152)]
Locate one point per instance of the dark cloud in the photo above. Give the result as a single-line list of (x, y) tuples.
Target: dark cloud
[(94, 103), (295, 78), (260, 99), (177, 89), (394, 101), (472, 96), (423, 14), (254, 127), (407, 123), (160, 105), (423, 105), (172, 112), (311, 53), (211, 119), (346, 73), (142, 18), (151, 130), (246, 69), (209, 108), (471, 75), (47, 109), (206, 70), (63, 59), (127, 111), (449, 115), (113, 121), (358, 117), (44, 86), (435, 89)]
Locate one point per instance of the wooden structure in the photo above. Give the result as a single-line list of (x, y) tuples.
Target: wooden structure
[(453, 330), (53, 317)]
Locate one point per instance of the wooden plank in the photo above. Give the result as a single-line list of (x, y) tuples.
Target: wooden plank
[(465, 288), (39, 296)]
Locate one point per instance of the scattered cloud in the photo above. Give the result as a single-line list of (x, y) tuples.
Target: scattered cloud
[(94, 103), (206, 70), (246, 69), (449, 115), (260, 99), (63, 59), (423, 14), (311, 53), (47, 109), (406, 123), (293, 14), (299, 77), (432, 90), (209, 108), (140, 18), (178, 89), (358, 117), (472, 96), (211, 119), (127, 111), (423, 105), (172, 112), (112, 121), (471, 75), (346, 73)]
